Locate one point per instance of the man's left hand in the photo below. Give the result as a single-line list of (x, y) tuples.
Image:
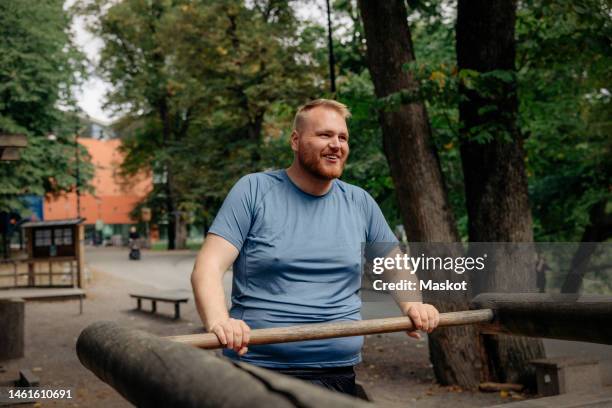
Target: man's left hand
[(425, 317)]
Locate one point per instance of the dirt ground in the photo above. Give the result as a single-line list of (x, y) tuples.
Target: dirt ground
[(395, 371)]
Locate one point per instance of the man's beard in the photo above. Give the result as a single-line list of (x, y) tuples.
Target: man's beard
[(312, 162)]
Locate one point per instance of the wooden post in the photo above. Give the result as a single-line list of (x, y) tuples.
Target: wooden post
[(12, 325), (31, 271), (177, 310), (80, 255)]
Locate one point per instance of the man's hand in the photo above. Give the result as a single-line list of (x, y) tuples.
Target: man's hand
[(425, 317), (232, 333)]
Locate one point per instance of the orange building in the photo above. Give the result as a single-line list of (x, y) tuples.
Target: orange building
[(112, 200)]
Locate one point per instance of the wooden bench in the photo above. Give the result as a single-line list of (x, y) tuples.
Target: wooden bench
[(45, 294), (165, 296)]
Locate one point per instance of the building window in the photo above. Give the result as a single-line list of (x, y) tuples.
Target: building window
[(67, 236), (58, 237), (62, 236), (42, 238)]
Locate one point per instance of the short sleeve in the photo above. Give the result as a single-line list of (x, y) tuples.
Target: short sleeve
[(378, 230), (234, 219), (380, 240)]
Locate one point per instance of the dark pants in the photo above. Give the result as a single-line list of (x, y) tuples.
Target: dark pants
[(340, 379)]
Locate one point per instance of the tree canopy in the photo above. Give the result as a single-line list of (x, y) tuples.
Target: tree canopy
[(39, 65), (205, 89), (231, 73)]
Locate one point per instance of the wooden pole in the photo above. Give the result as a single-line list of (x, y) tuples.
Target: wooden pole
[(338, 329), (12, 312), (79, 243), (330, 49), (554, 316)]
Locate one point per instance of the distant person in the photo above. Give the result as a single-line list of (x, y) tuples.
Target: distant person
[(134, 243), (134, 235)]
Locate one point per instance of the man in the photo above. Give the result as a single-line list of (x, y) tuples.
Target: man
[(294, 238)]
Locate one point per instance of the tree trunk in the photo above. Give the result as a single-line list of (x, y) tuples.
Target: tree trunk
[(494, 170), (181, 232), (417, 176), (598, 230), (170, 211), (169, 186)]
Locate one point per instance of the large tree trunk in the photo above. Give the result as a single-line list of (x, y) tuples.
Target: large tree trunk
[(418, 180), (494, 170)]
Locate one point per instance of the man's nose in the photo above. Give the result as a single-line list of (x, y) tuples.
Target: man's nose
[(334, 143)]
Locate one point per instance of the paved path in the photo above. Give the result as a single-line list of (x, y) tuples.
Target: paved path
[(166, 270), (160, 269)]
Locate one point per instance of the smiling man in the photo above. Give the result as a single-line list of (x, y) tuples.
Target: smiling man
[(294, 238)]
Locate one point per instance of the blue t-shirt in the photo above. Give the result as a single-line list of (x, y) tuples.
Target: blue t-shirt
[(299, 262)]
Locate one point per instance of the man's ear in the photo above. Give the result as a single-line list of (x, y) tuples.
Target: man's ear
[(294, 140)]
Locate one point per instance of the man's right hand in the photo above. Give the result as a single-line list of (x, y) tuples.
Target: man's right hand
[(233, 334)]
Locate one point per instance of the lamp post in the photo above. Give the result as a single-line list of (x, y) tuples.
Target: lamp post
[(145, 216), (330, 45)]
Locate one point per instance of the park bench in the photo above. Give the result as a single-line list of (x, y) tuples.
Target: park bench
[(163, 296)]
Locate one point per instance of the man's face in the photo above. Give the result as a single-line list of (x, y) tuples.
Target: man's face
[(321, 145)]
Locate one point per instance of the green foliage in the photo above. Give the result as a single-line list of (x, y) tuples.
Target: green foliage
[(564, 76), (349, 38), (206, 88), (231, 74), (38, 66)]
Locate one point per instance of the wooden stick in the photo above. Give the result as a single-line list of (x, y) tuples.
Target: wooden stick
[(338, 329), (495, 387)]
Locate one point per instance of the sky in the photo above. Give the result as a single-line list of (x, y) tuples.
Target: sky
[(90, 97)]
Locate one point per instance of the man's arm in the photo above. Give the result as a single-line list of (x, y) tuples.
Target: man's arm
[(424, 316), (212, 261)]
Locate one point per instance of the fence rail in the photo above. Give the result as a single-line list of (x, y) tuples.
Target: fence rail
[(29, 270)]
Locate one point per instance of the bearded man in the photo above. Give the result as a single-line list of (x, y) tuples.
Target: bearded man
[(294, 237)]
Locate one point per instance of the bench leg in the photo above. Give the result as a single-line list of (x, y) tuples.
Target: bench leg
[(153, 306), (139, 303), (80, 304), (177, 310)]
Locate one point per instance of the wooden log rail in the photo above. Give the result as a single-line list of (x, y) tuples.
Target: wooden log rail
[(150, 371), (556, 316)]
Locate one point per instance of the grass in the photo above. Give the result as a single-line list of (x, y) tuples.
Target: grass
[(193, 245)]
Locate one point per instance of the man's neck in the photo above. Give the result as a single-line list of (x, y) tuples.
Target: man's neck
[(307, 182)]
